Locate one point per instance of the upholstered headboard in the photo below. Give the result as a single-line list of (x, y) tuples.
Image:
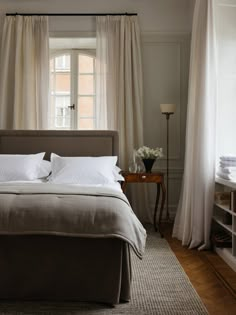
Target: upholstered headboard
[(64, 143)]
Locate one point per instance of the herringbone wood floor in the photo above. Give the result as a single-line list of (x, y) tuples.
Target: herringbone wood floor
[(211, 277)]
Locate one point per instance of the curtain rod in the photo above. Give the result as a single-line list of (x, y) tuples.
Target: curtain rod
[(70, 14)]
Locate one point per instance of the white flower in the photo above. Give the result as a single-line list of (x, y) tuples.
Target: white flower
[(149, 153)]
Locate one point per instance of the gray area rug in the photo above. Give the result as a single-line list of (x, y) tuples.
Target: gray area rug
[(160, 286)]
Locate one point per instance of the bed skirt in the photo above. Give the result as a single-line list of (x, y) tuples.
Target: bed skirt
[(38, 267)]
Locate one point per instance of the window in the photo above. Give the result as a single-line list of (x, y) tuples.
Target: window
[(72, 89)]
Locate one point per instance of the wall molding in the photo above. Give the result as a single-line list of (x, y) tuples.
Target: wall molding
[(175, 178), (166, 66), (166, 36), (173, 172), (180, 41)]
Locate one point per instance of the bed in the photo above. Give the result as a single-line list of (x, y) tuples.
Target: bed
[(77, 263)]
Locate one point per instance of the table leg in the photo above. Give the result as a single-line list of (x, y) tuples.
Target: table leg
[(156, 206), (123, 186), (163, 198)]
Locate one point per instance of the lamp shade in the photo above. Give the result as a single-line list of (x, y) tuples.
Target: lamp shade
[(167, 108)]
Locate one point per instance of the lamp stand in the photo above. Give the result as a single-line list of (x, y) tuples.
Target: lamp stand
[(167, 109), (167, 164)]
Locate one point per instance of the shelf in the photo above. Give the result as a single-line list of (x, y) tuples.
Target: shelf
[(222, 239), (225, 208), (226, 182), (221, 212), (225, 226)]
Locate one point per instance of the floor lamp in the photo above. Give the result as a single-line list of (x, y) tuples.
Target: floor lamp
[(167, 109)]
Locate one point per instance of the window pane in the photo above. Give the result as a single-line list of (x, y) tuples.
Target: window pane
[(52, 77), (85, 64), (62, 112), (67, 84), (62, 82), (85, 106), (52, 100), (62, 101), (86, 123), (63, 62), (62, 122), (51, 64), (60, 90), (59, 122), (85, 84)]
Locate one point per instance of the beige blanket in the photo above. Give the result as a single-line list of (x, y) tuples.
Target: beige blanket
[(69, 210)]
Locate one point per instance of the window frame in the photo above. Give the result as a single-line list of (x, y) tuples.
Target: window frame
[(74, 83)]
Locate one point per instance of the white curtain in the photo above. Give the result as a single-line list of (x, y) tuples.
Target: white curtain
[(119, 93), (24, 73), (194, 213), (119, 81), (226, 70)]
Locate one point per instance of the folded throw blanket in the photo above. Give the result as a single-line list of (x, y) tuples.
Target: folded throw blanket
[(226, 176), (228, 158), (228, 164), (53, 209), (228, 170)]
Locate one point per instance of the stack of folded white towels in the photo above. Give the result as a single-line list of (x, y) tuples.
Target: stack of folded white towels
[(227, 167)]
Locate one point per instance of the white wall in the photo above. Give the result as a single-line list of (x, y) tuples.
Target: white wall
[(166, 28), (155, 15)]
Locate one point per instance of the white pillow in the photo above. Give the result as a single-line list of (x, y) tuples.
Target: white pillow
[(83, 170), (45, 169), (117, 175), (21, 167)]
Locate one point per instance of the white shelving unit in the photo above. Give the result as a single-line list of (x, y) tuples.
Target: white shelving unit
[(226, 182), (220, 211)]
